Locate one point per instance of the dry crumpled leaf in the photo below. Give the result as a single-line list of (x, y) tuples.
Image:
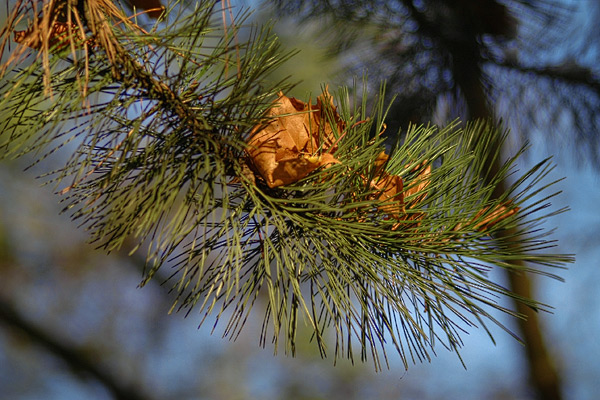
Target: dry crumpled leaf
[(58, 35), (420, 185), (392, 192), (390, 188), (298, 139), (499, 213)]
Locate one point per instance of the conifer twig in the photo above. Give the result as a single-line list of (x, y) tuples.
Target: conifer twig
[(293, 205)]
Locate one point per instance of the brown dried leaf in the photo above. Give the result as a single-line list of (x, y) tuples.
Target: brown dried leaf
[(392, 193), (391, 188), (295, 168), (500, 213), (380, 162), (420, 185), (397, 199), (58, 35), (297, 140)]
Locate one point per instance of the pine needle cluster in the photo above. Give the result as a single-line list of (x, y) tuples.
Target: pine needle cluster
[(157, 124)]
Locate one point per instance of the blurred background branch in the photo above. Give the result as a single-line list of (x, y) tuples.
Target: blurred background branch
[(78, 362)]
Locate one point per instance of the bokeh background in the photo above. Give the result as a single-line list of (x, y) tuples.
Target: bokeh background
[(75, 325)]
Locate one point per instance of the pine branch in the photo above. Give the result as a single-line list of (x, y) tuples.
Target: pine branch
[(244, 197)]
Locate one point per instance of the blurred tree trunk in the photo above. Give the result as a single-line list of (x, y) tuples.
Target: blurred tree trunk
[(466, 58)]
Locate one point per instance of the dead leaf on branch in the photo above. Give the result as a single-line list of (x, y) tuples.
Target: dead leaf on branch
[(59, 24), (398, 199), (417, 190), (500, 213), (391, 189), (297, 140), (57, 35)]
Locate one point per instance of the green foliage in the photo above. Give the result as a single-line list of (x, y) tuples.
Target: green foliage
[(157, 135)]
